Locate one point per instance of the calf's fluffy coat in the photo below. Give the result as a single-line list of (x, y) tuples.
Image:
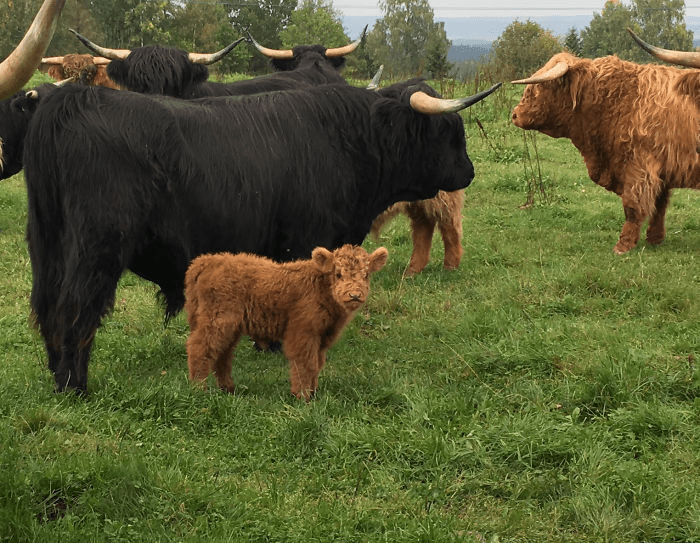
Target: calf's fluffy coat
[(305, 304)]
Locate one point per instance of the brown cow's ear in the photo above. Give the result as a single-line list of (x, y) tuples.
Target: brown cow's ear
[(378, 259), (323, 259)]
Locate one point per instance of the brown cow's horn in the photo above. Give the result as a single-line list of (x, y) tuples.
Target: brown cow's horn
[(19, 66), (342, 51), (49, 61), (279, 54), (692, 60), (211, 58), (424, 103), (555, 72), (111, 54)]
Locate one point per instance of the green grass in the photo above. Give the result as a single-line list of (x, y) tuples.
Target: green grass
[(546, 391)]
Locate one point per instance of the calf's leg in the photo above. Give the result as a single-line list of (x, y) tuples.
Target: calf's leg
[(422, 228), (303, 355), (210, 348)]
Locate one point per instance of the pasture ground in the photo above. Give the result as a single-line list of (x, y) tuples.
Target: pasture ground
[(546, 391)]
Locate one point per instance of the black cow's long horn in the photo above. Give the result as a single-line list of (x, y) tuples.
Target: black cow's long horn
[(19, 66), (683, 58), (374, 84), (112, 54), (279, 54), (211, 58), (342, 51), (424, 103)]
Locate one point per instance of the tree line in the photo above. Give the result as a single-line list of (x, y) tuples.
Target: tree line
[(525, 46), (406, 40)]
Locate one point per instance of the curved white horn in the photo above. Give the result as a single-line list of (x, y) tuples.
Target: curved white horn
[(683, 58), (429, 105), (111, 54), (211, 58), (19, 66), (555, 72)]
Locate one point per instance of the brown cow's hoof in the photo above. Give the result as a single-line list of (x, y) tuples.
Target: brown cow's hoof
[(621, 249)]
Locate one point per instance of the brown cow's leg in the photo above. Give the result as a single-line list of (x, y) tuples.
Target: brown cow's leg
[(422, 228), (656, 232), (630, 231)]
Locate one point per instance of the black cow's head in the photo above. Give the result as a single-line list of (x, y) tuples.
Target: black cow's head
[(154, 69), (15, 114), (411, 115)]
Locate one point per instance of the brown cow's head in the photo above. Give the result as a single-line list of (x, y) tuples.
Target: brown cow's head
[(19, 66), (551, 95), (84, 69), (348, 269)]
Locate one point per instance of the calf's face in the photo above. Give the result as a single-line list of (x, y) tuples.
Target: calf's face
[(349, 269)]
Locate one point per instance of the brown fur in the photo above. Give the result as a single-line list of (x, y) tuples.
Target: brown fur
[(83, 68), (638, 136), (445, 211), (305, 304)]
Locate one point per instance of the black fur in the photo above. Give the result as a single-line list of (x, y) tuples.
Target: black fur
[(119, 180), (168, 71)]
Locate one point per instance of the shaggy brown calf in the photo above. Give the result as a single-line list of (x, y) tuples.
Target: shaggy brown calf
[(445, 211), (85, 69), (305, 304), (637, 135)]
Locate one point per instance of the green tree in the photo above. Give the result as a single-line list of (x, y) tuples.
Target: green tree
[(400, 39), (436, 62), (572, 41), (314, 21), (522, 49), (661, 22), (264, 20), (204, 27), (148, 22)]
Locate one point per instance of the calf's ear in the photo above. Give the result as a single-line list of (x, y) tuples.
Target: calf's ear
[(378, 259), (323, 259)]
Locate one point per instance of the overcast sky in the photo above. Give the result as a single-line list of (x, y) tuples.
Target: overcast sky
[(497, 8)]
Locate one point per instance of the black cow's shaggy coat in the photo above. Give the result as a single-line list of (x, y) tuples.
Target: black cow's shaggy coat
[(119, 180)]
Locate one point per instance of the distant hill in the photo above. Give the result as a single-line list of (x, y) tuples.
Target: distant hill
[(468, 50)]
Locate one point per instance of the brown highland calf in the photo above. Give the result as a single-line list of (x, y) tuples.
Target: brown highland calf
[(84, 69), (637, 135), (305, 304), (445, 211)]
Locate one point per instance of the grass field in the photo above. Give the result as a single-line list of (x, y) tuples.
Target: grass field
[(546, 391)]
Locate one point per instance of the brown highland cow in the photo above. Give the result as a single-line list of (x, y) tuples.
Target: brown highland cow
[(305, 304), (637, 133)]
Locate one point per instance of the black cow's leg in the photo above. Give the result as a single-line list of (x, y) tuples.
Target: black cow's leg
[(81, 306)]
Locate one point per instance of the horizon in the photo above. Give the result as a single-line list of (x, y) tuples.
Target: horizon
[(490, 28)]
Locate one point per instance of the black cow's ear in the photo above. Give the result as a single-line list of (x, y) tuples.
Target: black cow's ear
[(25, 102), (200, 73), (117, 71)]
